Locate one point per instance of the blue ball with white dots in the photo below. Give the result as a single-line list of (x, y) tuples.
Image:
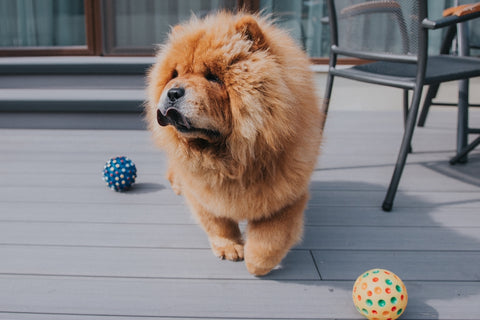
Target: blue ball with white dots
[(119, 173)]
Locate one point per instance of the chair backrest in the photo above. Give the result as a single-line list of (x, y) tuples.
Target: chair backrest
[(379, 29)]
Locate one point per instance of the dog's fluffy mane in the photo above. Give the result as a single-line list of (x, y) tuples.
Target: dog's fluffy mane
[(263, 117)]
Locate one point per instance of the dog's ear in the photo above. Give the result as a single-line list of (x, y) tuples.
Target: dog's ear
[(250, 30)]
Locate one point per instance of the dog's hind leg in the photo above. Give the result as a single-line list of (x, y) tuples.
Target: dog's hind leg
[(270, 239)]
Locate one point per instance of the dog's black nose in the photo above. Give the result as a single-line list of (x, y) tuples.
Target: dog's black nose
[(175, 93)]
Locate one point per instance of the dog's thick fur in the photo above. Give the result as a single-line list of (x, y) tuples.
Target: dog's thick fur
[(232, 102)]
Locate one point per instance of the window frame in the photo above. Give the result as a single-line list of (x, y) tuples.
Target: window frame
[(92, 34), (97, 46)]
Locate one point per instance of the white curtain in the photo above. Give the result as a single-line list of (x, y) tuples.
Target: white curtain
[(42, 23)]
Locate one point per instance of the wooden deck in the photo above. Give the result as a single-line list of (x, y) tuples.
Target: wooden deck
[(72, 249)]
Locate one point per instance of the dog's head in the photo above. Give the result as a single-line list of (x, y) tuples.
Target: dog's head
[(220, 81)]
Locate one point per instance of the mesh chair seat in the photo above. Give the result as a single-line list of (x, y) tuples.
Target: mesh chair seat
[(403, 75)]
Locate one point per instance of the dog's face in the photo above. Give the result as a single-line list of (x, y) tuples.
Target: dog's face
[(207, 83), (195, 101), (220, 83)]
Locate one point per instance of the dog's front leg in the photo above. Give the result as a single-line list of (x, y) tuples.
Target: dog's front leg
[(223, 233)]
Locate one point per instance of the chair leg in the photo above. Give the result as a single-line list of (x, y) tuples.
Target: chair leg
[(465, 151), (431, 93), (403, 153), (462, 124), (405, 113), (326, 99)]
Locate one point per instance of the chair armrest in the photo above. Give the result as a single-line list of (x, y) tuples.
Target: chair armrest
[(454, 15), (462, 10)]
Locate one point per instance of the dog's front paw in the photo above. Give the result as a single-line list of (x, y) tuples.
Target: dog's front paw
[(227, 249)]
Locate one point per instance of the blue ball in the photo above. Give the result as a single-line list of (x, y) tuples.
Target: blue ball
[(119, 173)]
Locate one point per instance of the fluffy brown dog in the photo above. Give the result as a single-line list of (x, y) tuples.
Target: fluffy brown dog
[(232, 101)]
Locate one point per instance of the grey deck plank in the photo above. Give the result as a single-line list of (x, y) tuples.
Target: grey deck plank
[(410, 199), (392, 238), (49, 316), (200, 264), (76, 171), (141, 263), (222, 298), (64, 121), (98, 193), (401, 217), (191, 236), (103, 235), (96, 213), (174, 297), (147, 194), (75, 65), (436, 175), (86, 95), (408, 265), (179, 214)]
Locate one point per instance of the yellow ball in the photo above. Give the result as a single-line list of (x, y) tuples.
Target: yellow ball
[(379, 294)]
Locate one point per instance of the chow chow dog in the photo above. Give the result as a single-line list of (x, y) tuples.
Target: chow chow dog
[(232, 102)]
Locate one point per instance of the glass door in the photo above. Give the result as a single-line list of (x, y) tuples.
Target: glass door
[(136, 27)]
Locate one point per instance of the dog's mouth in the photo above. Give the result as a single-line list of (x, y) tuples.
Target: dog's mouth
[(171, 116)]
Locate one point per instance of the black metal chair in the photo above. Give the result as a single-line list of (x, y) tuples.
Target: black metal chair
[(399, 54), (463, 33)]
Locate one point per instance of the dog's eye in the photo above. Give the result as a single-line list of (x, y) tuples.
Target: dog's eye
[(174, 74), (212, 77)]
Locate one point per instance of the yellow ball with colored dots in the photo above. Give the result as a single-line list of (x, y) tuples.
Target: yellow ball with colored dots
[(380, 294)]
